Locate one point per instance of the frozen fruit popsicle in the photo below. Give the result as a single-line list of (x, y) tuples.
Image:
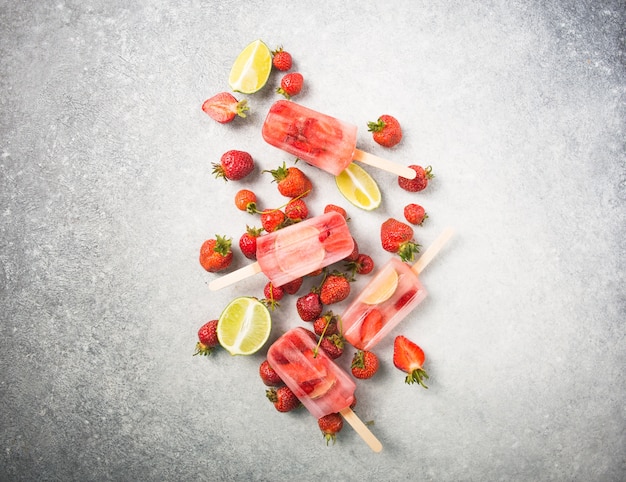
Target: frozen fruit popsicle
[(320, 140), (296, 250), (387, 299), (321, 385)]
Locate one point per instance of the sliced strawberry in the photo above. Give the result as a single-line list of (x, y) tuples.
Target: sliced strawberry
[(371, 325), (409, 357), (405, 298), (223, 107)]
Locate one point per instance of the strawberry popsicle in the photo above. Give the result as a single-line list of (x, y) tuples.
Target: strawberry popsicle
[(321, 385), (320, 140), (296, 250), (387, 299)]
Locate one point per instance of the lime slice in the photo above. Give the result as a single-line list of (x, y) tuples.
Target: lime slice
[(251, 68), (244, 326), (381, 287), (358, 187), (297, 246)]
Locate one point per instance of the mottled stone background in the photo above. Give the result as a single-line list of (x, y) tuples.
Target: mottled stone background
[(106, 196)]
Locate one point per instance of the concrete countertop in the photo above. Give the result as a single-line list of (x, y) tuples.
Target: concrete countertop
[(106, 195)]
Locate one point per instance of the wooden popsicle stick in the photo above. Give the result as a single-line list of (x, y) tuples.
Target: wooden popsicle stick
[(432, 251), (234, 276), (360, 428), (384, 164)]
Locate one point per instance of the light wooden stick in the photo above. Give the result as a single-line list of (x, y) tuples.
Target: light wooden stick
[(432, 251), (384, 164), (233, 277), (360, 428)]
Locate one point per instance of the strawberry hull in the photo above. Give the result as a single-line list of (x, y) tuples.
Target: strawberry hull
[(365, 324), (314, 378)]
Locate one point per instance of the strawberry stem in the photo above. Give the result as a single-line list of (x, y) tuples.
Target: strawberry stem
[(417, 376)]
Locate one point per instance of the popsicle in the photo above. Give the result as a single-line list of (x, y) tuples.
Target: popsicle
[(321, 385), (388, 298), (320, 140), (296, 250)]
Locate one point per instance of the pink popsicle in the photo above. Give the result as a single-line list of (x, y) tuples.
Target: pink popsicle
[(387, 299), (321, 385), (296, 250), (319, 139)]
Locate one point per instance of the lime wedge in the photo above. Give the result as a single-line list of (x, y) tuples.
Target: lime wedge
[(358, 187), (251, 68), (244, 326), (382, 287)]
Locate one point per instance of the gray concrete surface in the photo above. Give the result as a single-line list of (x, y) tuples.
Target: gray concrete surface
[(106, 196)]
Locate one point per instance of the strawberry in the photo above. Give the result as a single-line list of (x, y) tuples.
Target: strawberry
[(364, 264), (326, 325), (216, 254), (338, 209), (234, 165), (296, 209), (397, 237), (247, 242), (386, 131), (293, 286), (224, 107), (273, 294), (269, 375), (291, 84), (291, 181), (245, 200), (272, 219), (207, 338), (282, 59), (283, 399), (421, 179), (409, 358), (309, 306), (332, 345), (415, 214), (335, 288), (364, 364), (371, 325), (330, 425)]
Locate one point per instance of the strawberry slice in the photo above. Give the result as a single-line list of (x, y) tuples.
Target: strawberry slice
[(371, 325), (223, 107), (409, 358)]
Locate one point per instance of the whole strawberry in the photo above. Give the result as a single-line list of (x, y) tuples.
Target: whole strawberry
[(397, 237), (335, 288), (216, 254), (283, 399), (330, 425), (291, 84), (247, 242), (268, 375), (234, 165), (364, 364), (309, 306), (332, 345), (272, 219), (207, 338), (224, 107), (415, 214), (386, 131), (293, 286), (296, 209), (326, 324), (245, 200), (273, 294), (291, 181), (421, 179), (338, 209), (282, 59), (409, 357)]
